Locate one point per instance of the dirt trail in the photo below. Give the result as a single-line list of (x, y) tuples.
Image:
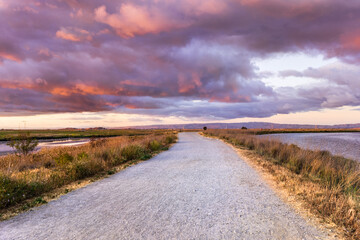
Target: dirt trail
[(199, 189)]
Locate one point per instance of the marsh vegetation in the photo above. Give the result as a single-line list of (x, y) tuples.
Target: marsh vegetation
[(8, 135), (332, 182), (28, 176)]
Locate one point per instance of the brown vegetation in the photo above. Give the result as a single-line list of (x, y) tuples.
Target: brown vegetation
[(299, 130), (24, 177), (332, 182)]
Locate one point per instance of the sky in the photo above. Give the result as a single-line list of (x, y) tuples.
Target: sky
[(72, 63)]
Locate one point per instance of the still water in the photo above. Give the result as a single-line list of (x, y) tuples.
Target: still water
[(4, 149), (343, 144)]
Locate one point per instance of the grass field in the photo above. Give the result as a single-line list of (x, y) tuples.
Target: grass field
[(24, 177), (329, 184), (6, 135)]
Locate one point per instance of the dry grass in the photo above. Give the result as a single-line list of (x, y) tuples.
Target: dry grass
[(25, 177), (297, 130), (329, 184)]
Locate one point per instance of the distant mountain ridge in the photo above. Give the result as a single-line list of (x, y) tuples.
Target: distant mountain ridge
[(249, 125)]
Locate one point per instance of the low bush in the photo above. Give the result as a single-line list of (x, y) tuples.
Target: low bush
[(82, 170), (170, 139), (132, 152), (14, 191), (82, 156), (64, 159), (154, 145)]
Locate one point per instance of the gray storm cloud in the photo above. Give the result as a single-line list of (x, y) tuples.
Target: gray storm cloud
[(180, 58)]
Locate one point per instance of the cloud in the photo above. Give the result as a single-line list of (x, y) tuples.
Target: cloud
[(3, 4), (8, 51), (134, 20), (200, 7), (169, 57), (74, 34), (9, 56), (340, 89)]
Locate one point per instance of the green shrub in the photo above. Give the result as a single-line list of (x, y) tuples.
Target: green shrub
[(146, 156), (82, 156), (14, 191), (154, 145), (170, 139), (64, 159), (39, 200), (81, 171), (132, 152)]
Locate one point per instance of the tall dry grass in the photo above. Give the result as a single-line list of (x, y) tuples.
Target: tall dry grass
[(23, 177), (299, 130), (335, 194)]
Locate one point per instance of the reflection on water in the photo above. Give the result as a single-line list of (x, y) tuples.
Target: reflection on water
[(5, 149), (344, 144)]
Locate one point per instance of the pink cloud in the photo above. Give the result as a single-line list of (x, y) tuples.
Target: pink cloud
[(161, 55), (134, 20), (351, 41), (188, 84), (200, 7), (74, 34), (9, 56), (281, 8), (3, 4)]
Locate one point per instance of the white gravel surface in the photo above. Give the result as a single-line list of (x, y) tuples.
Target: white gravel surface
[(199, 189)]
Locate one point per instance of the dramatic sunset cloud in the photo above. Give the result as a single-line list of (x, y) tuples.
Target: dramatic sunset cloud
[(74, 34), (177, 58)]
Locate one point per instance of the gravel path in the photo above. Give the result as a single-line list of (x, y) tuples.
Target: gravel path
[(199, 189)]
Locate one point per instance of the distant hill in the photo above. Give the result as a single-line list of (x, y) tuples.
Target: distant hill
[(249, 125)]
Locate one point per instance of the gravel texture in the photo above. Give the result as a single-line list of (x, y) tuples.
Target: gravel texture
[(199, 189)]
